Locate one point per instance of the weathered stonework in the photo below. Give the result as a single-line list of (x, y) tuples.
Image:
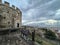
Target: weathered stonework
[(10, 17)]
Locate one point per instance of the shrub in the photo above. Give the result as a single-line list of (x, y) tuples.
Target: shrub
[(50, 35)]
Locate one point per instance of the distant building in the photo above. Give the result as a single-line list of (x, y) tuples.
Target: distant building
[(10, 17)]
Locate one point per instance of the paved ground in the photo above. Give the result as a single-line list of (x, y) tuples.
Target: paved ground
[(14, 39)]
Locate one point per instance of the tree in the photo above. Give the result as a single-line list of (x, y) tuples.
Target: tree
[(50, 35)]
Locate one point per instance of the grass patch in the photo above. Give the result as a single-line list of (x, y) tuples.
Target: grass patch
[(43, 41)]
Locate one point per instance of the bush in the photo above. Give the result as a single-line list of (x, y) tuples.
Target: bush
[(50, 35), (40, 42)]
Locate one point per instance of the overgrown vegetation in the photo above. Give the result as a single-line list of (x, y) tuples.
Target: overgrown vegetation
[(43, 41), (50, 35)]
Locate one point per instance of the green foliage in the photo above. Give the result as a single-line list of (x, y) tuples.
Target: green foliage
[(50, 35), (45, 29), (40, 42)]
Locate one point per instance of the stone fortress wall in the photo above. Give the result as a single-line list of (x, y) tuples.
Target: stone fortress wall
[(10, 17)]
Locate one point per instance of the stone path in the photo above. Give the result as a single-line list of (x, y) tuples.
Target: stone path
[(14, 39)]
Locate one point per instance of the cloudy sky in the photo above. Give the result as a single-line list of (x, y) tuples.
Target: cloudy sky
[(39, 12)]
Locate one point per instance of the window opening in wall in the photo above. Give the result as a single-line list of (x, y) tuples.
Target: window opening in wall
[(17, 24), (4, 17), (8, 22)]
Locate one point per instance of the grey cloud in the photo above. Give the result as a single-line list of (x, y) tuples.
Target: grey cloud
[(38, 10), (55, 5), (46, 10)]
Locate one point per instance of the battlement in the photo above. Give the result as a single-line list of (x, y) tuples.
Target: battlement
[(13, 6), (6, 3), (18, 10)]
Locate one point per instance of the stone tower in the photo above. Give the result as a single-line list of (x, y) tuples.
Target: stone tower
[(10, 16), (0, 1)]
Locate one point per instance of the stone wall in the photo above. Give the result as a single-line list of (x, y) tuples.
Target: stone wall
[(11, 16)]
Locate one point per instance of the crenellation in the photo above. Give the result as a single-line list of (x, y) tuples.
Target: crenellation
[(6, 3), (13, 6), (11, 16), (17, 9)]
